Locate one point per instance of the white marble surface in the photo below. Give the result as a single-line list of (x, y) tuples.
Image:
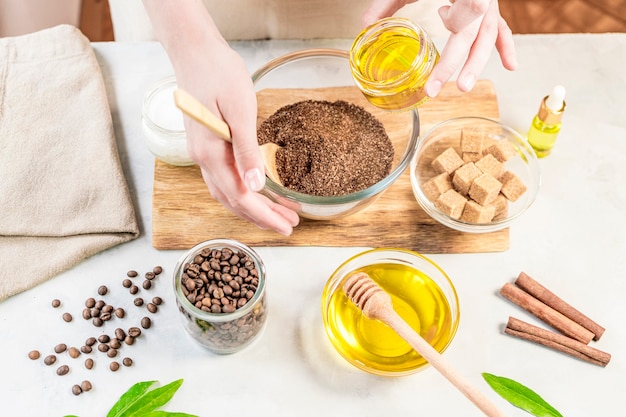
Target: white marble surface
[(573, 240)]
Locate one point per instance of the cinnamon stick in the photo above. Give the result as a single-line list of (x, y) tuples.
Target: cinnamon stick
[(546, 313), (546, 296), (527, 331)]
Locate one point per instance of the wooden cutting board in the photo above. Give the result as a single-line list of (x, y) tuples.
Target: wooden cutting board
[(184, 213)]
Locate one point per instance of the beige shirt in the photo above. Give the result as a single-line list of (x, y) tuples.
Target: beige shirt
[(277, 19)]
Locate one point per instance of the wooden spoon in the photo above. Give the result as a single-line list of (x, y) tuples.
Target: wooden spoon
[(376, 304), (198, 111)]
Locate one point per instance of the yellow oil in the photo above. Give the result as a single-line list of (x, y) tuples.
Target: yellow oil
[(372, 345), (392, 63), (542, 136)]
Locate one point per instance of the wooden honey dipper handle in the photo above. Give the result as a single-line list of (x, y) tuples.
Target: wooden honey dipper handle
[(376, 304)]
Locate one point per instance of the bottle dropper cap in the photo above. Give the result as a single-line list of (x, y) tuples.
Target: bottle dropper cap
[(553, 106)]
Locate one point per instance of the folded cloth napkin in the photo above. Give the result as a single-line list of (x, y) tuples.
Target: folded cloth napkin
[(63, 195)]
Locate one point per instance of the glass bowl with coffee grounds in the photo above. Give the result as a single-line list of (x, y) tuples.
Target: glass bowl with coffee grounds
[(421, 293), (220, 293), (338, 151)]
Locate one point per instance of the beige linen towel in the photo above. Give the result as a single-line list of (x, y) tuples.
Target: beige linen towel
[(63, 195)]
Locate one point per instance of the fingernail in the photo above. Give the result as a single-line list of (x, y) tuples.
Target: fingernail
[(468, 81), (432, 88), (254, 179)]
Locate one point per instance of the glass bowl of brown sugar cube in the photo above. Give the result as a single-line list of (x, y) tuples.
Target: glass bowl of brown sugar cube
[(474, 174)]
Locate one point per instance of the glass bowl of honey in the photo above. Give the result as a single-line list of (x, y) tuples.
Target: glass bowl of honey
[(422, 294)]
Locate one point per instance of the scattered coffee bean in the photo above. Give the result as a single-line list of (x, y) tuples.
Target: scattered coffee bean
[(104, 338), (63, 370), (132, 274), (108, 308), (60, 348), (34, 354), (100, 304), (120, 334), (138, 301), (56, 303), (152, 308), (157, 301), (95, 312), (86, 313), (114, 366), (147, 284), (73, 352), (127, 283), (146, 322), (77, 390), (134, 289), (157, 270), (89, 363), (103, 290), (90, 302), (50, 359), (67, 317), (86, 349), (97, 321), (120, 313), (129, 340), (150, 275), (90, 341), (115, 343), (105, 316), (127, 362), (111, 353), (134, 332), (103, 347), (85, 386)]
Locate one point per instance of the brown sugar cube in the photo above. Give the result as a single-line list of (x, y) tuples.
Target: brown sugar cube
[(471, 156), (512, 186), (436, 186), (502, 150), (475, 213), (490, 165), (451, 203), (500, 204), (472, 140), (485, 189), (448, 161), (463, 177)]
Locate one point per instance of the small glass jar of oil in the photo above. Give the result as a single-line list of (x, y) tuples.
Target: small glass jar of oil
[(421, 293), (391, 61)]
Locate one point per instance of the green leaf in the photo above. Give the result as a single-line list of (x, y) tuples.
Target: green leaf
[(520, 396), (167, 414), (129, 398), (151, 400)]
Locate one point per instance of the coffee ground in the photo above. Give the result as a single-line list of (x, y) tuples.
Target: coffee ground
[(328, 148)]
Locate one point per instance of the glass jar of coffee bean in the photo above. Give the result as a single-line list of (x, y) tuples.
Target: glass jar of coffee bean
[(220, 291)]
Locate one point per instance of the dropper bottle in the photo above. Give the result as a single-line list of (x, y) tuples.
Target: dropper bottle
[(547, 123)]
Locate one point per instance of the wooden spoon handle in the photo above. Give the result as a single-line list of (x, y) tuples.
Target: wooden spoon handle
[(392, 319), (198, 111)]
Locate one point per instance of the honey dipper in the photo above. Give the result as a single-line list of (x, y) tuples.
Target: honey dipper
[(376, 304)]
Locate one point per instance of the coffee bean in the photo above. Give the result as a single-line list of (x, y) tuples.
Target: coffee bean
[(157, 301), (63, 370), (86, 349), (73, 352), (114, 366), (108, 308), (104, 338), (67, 317), (100, 304), (89, 363), (34, 354), (147, 284), (138, 301), (95, 312), (103, 347), (157, 270), (105, 316), (146, 322), (150, 275), (102, 290), (120, 333), (97, 321), (152, 308), (90, 341), (134, 289), (56, 303), (129, 340), (77, 390), (127, 283), (85, 386), (50, 359), (132, 273), (134, 332), (90, 302), (86, 313), (115, 343), (127, 362), (111, 353), (60, 348), (120, 313)]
